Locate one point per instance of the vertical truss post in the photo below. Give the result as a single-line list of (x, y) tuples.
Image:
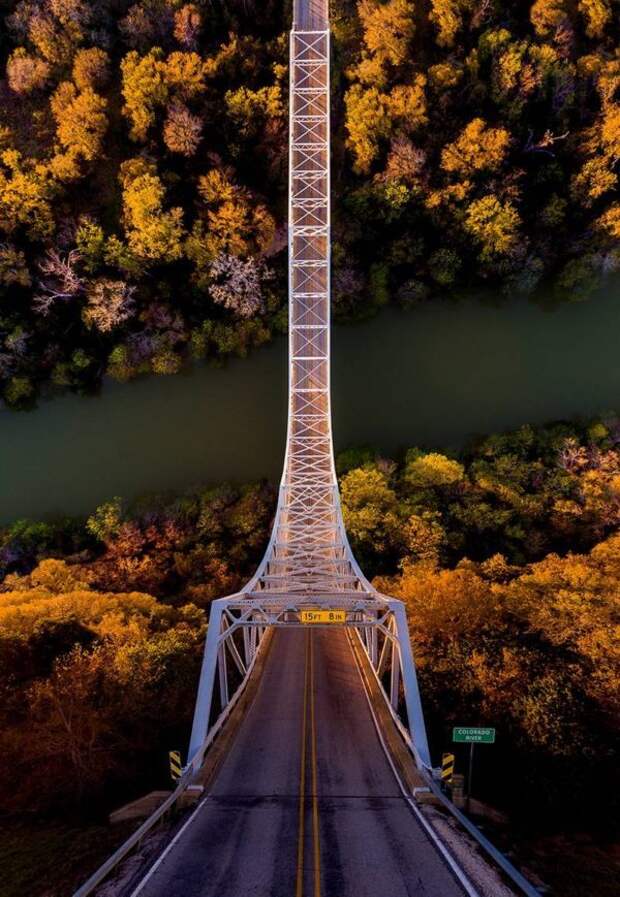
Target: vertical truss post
[(373, 646), (202, 712), (413, 701), (223, 674), (394, 675), (385, 648), (247, 646)]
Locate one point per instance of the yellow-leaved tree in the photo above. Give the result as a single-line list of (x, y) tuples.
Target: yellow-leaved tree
[(153, 233), (477, 148)]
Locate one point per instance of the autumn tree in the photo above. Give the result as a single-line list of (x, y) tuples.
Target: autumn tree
[(13, 267), (53, 42), (549, 16), (595, 178), (234, 223), (144, 90), (250, 109), (184, 74), (187, 25), (109, 303), (477, 148), (597, 15), (147, 23), (610, 132), (237, 284), (152, 233), (447, 17), (26, 192), (26, 73), (182, 129), (388, 28), (368, 122), (59, 280), (371, 116), (81, 121), (494, 225), (91, 69)]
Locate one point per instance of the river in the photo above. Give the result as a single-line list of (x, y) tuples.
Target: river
[(434, 376)]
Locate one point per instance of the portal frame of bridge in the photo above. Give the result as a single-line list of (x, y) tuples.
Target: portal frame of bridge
[(238, 624)]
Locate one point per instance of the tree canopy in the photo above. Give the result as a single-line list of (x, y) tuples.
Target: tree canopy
[(473, 145)]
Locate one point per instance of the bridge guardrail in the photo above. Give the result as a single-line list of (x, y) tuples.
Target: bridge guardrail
[(516, 877), (168, 805)]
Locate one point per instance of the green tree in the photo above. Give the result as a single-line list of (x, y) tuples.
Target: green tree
[(431, 469), (495, 225), (369, 507), (105, 523)]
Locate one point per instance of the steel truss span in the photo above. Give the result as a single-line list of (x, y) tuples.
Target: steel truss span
[(308, 562)]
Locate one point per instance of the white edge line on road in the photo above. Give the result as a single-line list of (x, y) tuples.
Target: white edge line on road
[(430, 831), (165, 853), (189, 821)]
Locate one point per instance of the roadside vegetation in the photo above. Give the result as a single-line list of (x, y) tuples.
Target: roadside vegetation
[(143, 170), (507, 557)]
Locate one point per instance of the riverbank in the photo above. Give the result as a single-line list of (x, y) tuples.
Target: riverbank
[(434, 376), (507, 558)]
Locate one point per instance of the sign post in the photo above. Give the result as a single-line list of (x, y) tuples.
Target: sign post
[(472, 735), (176, 770), (447, 768), (470, 774)]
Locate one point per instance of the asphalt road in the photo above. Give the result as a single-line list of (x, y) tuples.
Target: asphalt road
[(305, 804)]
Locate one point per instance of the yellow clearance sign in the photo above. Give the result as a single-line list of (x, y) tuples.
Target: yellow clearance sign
[(323, 616)]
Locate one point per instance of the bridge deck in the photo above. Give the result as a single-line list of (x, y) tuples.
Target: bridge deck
[(360, 838), (311, 15)]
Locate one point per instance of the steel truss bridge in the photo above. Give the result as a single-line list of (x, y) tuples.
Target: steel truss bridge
[(222, 850), (308, 562)]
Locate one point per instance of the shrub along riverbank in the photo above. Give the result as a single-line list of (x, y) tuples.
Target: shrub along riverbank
[(508, 559)]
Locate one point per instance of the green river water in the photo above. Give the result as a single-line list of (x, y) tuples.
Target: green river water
[(434, 376)]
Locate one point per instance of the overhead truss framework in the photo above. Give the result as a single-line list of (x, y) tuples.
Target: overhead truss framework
[(308, 562)]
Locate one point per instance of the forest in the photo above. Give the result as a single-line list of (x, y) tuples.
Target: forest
[(143, 170), (508, 560)]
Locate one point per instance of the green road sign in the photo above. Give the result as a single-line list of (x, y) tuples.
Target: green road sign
[(472, 735)]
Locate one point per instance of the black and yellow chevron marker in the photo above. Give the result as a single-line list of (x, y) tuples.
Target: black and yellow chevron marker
[(175, 764), (447, 768)]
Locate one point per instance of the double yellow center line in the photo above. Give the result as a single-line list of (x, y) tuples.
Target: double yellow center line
[(308, 702)]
